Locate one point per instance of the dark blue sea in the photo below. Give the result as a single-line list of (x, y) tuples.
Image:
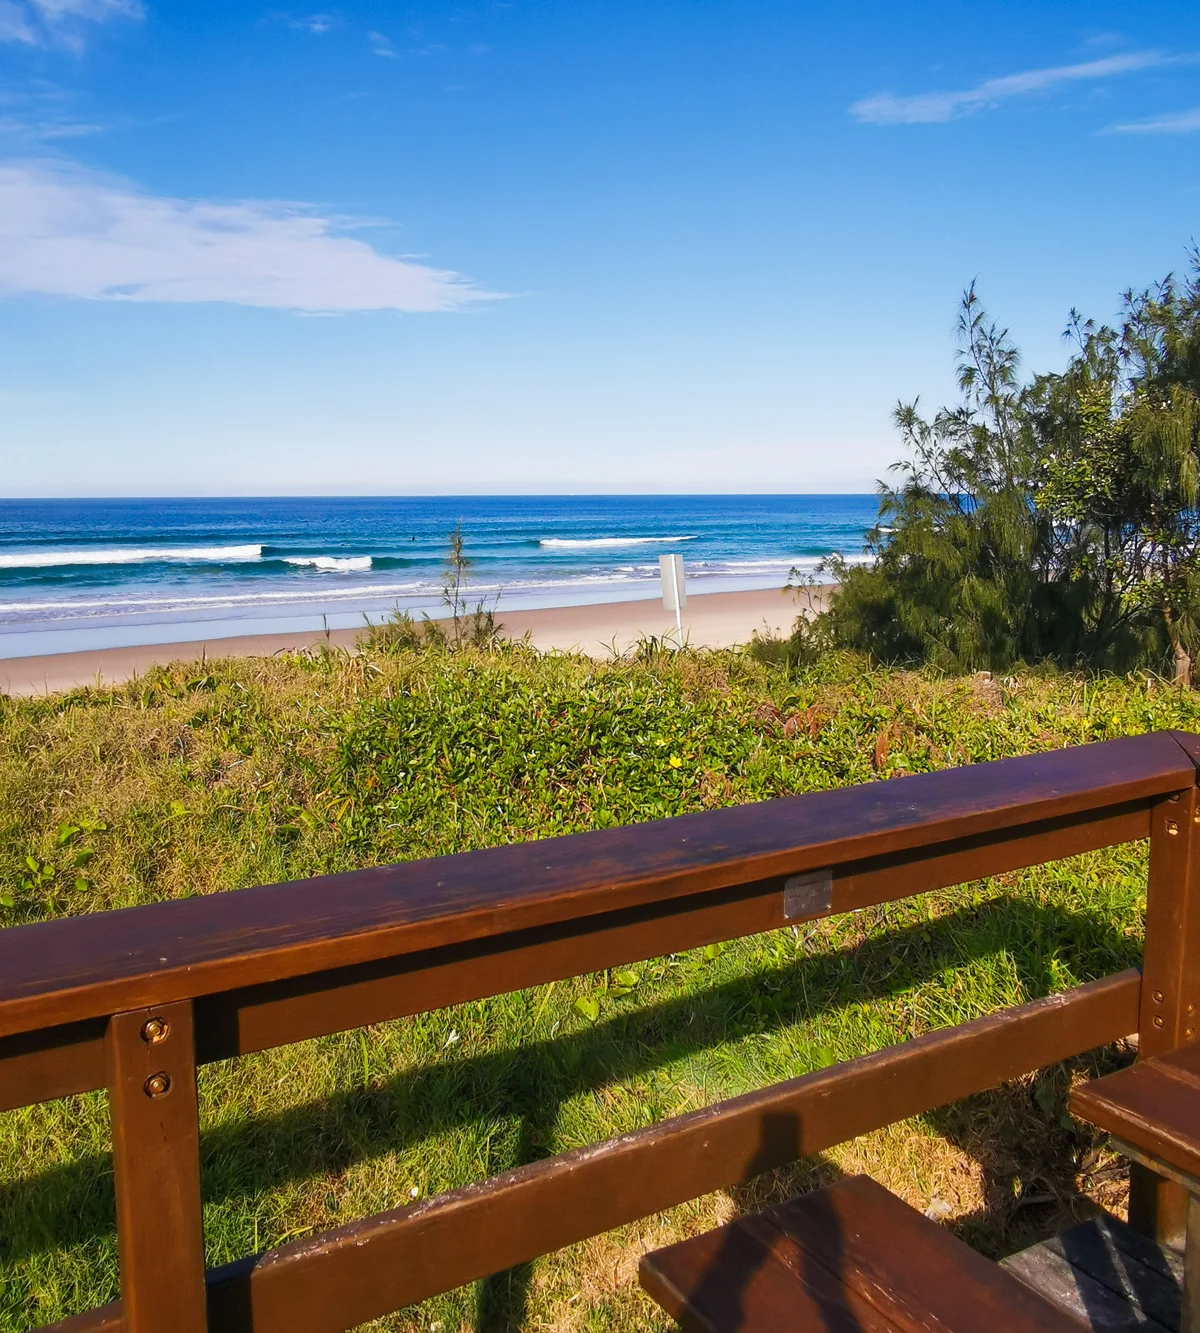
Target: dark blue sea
[(103, 573)]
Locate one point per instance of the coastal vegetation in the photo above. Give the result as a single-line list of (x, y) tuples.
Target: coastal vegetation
[(1044, 517), (194, 780)]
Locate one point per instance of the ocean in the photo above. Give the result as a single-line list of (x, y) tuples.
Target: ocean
[(78, 574)]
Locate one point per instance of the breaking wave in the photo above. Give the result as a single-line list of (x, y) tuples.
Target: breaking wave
[(125, 556), (337, 564), (599, 543)]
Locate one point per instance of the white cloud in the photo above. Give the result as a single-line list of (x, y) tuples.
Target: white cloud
[(1177, 122), (28, 128), (69, 232), (938, 107), (44, 22), (15, 25), (381, 45), (36, 114), (55, 11), (317, 24)]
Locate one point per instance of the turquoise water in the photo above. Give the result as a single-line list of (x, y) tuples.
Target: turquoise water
[(102, 573)]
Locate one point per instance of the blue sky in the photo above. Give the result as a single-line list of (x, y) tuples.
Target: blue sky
[(545, 247)]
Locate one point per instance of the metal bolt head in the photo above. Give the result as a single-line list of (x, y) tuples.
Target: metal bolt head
[(157, 1085), (1172, 827), (1158, 997), (1158, 1020), (1188, 1033), (1174, 798), (155, 1030)]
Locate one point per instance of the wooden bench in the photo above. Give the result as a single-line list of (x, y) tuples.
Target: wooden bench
[(851, 1258), (1152, 1110), (133, 1001)]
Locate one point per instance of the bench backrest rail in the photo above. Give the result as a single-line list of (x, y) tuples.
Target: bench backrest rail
[(134, 999)]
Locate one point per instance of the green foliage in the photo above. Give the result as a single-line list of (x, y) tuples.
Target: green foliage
[(466, 626), (268, 770), (957, 578), (473, 625), (1054, 518)]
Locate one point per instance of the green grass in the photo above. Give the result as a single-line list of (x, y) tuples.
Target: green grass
[(251, 771)]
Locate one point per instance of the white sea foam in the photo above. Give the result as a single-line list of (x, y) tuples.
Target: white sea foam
[(783, 564), (347, 564), (598, 543), (100, 555), (375, 591), (116, 604)]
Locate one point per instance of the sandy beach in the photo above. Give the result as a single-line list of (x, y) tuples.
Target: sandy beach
[(711, 620)]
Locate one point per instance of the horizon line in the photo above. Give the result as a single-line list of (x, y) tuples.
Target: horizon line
[(431, 495)]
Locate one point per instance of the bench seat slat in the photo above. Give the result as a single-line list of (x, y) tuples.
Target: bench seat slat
[(849, 1247), (733, 1281)]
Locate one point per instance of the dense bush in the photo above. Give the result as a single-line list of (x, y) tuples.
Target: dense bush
[(1053, 517)]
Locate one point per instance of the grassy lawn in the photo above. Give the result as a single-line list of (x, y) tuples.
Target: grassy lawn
[(253, 771)]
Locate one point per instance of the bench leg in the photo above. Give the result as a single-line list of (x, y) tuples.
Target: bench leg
[(156, 1164), (1158, 1208), (1189, 1320)]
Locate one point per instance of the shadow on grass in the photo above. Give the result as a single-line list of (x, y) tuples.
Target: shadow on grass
[(69, 1204), (1029, 1151)]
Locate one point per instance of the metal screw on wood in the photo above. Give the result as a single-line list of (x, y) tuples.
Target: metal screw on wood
[(155, 1030), (157, 1085), (1174, 798), (1158, 997), (1172, 827), (1158, 1020)]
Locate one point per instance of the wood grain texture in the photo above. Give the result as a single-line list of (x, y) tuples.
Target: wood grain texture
[(1171, 963), (254, 1018), (1080, 1295), (278, 963), (156, 1170), (1154, 1105), (55, 1062), (347, 1276), (734, 1280), (1102, 1271), (911, 1269), (58, 972), (1171, 995), (846, 1246)]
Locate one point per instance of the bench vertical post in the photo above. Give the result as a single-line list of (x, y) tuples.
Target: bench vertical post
[(156, 1167), (1170, 1004)]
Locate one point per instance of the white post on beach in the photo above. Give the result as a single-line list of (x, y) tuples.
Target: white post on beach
[(670, 568)]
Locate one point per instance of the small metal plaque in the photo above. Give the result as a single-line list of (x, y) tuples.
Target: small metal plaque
[(807, 895)]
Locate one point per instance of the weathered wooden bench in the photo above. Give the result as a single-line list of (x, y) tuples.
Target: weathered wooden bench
[(850, 1258), (133, 1001)]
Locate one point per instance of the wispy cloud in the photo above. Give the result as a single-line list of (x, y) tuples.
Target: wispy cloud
[(317, 24), (69, 232), (1176, 122), (38, 113), (54, 22), (15, 24), (381, 45), (938, 107), (26, 128)]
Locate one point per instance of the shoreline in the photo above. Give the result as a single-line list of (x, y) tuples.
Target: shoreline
[(597, 629)]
